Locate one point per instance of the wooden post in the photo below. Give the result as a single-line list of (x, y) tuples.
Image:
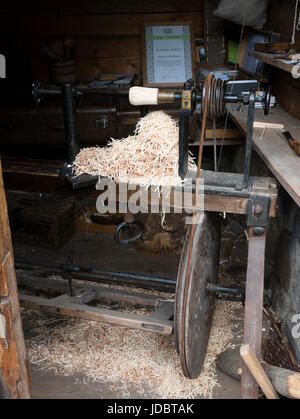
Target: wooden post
[(14, 367), (253, 307)]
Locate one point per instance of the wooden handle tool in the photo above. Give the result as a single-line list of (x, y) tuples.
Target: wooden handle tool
[(258, 372)]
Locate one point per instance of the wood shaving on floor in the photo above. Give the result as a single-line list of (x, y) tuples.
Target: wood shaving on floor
[(149, 157), (122, 357)]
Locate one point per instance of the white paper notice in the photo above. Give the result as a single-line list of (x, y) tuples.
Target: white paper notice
[(171, 63)]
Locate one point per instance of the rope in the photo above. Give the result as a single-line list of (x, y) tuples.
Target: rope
[(235, 69)]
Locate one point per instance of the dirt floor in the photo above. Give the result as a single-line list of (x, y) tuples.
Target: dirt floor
[(101, 251)]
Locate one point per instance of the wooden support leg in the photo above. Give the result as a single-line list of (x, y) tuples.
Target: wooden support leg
[(253, 307)]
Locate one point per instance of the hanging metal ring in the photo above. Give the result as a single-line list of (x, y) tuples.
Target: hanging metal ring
[(123, 226)]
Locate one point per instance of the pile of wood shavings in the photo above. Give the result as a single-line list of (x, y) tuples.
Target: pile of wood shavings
[(149, 157), (121, 357)]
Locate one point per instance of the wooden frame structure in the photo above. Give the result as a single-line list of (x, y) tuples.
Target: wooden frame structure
[(223, 192), (159, 321)]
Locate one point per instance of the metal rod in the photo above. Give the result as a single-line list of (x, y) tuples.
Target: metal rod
[(93, 271), (71, 123), (224, 290), (134, 283), (250, 122)]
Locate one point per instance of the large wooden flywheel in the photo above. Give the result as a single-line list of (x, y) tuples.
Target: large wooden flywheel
[(194, 305)]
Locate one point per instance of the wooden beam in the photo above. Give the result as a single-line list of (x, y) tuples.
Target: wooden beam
[(269, 59), (253, 307), (83, 311), (221, 133), (220, 202)]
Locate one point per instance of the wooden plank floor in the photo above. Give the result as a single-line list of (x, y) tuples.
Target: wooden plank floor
[(272, 147)]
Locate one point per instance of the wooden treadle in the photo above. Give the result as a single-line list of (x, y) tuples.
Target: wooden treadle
[(158, 321)]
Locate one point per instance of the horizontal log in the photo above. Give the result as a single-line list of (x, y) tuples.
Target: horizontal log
[(286, 382)]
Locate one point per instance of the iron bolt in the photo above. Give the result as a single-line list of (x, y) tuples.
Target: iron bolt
[(258, 209)]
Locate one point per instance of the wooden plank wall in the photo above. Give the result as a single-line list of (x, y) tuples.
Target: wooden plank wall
[(15, 382), (107, 33), (284, 86)]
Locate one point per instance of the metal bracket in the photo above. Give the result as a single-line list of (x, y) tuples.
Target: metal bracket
[(37, 97), (258, 209), (102, 122)]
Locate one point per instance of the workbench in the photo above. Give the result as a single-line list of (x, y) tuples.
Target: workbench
[(272, 147)]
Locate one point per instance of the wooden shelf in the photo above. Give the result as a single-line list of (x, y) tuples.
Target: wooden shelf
[(272, 147), (269, 59)]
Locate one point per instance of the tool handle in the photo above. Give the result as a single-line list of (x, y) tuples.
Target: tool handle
[(139, 96), (295, 146), (258, 372)]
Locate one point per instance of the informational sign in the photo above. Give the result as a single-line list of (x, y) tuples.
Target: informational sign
[(167, 54)]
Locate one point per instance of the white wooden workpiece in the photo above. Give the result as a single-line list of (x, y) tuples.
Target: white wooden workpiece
[(272, 147)]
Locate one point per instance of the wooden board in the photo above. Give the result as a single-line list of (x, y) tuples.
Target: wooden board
[(269, 59), (273, 148), (253, 307), (14, 372), (77, 306), (63, 307), (221, 133), (272, 47), (216, 198), (212, 202)]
